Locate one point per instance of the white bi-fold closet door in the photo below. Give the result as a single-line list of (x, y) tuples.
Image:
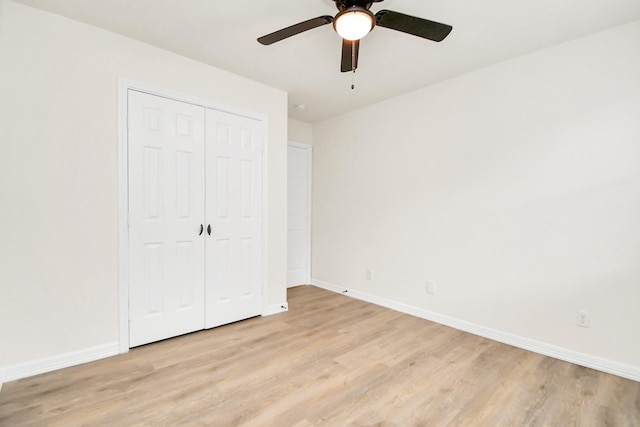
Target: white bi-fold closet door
[(195, 217)]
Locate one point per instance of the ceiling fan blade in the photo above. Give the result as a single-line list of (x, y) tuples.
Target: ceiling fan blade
[(301, 27), (411, 25), (350, 50)]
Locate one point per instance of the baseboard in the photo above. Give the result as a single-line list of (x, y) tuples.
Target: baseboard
[(28, 369), (276, 308), (589, 361)]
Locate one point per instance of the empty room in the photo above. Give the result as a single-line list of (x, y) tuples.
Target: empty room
[(319, 213)]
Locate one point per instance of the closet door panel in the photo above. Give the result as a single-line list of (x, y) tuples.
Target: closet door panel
[(234, 210), (166, 211)]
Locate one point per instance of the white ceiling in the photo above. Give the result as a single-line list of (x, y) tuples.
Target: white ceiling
[(307, 66)]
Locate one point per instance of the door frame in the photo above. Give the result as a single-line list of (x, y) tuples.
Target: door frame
[(124, 85), (309, 149)]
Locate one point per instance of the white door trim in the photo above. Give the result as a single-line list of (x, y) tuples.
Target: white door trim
[(124, 85), (308, 147)]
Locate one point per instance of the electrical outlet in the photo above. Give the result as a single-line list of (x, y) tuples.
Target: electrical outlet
[(431, 287), (369, 274), (583, 319)]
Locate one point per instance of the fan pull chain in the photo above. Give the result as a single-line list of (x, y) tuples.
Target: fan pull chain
[(353, 77)]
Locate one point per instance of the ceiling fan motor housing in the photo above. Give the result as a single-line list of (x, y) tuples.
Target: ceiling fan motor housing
[(345, 4)]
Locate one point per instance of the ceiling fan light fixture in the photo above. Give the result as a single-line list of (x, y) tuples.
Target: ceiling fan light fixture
[(354, 23)]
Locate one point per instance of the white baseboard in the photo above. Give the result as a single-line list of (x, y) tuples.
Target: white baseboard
[(587, 360), (276, 308), (35, 367)]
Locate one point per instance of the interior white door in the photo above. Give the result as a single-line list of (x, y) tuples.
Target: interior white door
[(234, 217), (166, 218), (298, 222)]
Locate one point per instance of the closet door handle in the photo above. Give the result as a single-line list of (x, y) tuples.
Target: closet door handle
[(201, 229), (209, 229)]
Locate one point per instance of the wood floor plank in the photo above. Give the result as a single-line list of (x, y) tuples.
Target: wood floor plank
[(329, 361)]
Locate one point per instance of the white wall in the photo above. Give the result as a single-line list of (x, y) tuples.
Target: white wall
[(299, 131), (516, 188), (59, 175)]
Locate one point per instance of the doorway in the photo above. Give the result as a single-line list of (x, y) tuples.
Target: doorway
[(299, 161)]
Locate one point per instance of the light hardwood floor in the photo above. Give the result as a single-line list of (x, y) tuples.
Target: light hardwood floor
[(332, 361)]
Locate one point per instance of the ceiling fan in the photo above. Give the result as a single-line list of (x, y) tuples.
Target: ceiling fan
[(354, 21)]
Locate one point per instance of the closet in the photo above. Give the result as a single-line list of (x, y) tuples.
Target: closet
[(195, 217)]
